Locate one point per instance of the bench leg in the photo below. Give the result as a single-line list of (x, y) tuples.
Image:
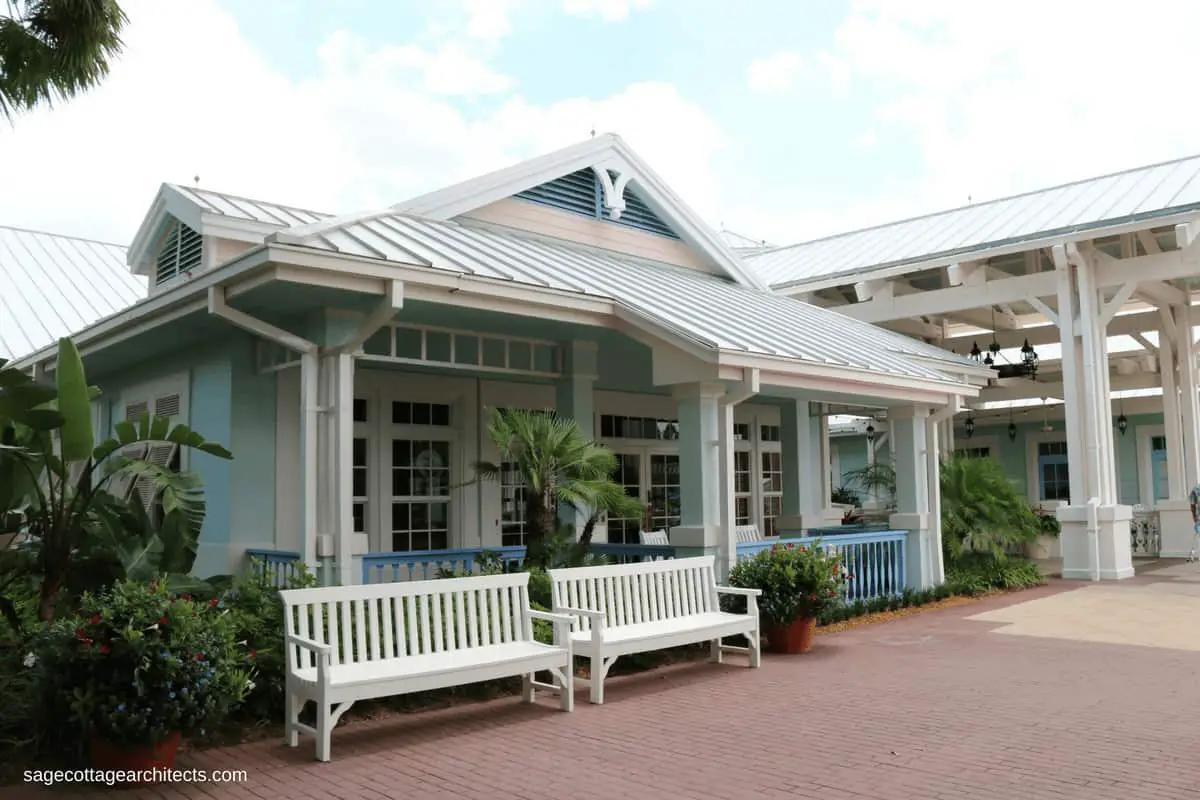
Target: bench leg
[(598, 670), (325, 725), (566, 698), (527, 687), (293, 705), (755, 640), (715, 656)]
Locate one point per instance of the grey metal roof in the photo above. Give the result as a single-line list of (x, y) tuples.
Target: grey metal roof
[(54, 286), (1124, 197), (229, 205), (710, 310)]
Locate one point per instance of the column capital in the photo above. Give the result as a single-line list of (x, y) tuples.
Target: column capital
[(909, 412), (580, 359), (701, 390)]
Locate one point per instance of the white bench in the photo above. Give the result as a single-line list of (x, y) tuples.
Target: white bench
[(749, 533), (635, 608), (659, 538), (348, 643)]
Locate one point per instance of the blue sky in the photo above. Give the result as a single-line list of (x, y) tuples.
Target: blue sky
[(781, 120)]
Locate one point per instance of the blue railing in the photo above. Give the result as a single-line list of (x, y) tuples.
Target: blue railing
[(875, 560), (281, 565), (842, 530), (631, 553), (420, 565)]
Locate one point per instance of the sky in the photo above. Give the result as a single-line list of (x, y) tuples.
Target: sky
[(782, 120)]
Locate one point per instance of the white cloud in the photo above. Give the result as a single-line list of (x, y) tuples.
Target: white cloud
[(607, 10), (369, 129), (488, 20), (775, 73), (996, 104)]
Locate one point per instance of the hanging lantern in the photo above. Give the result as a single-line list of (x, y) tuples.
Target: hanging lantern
[(970, 426), (1122, 423), (870, 431), (1029, 358), (1012, 431), (976, 353)]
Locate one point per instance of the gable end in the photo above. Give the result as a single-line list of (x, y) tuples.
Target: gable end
[(582, 193)]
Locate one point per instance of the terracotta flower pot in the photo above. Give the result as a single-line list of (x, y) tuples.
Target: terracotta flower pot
[(796, 637), (108, 756)]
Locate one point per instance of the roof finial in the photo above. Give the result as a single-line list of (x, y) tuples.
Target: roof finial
[(593, 131), (196, 179)]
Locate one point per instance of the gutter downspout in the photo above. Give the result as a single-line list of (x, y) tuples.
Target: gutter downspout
[(309, 408), (933, 466), (748, 388)]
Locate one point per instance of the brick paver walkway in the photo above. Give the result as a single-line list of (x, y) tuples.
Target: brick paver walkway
[(932, 706)]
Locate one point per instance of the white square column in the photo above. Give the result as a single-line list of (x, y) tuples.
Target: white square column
[(575, 398), (334, 469), (1177, 357), (910, 444), (700, 530), (802, 455)]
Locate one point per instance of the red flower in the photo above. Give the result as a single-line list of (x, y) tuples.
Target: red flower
[(812, 597), (86, 643), (79, 634), (791, 547), (162, 621), (186, 597), (212, 602), (251, 654), (95, 620), (104, 649), (199, 656)]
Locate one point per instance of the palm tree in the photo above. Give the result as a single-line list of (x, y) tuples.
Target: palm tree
[(982, 511), (55, 49), (560, 466)]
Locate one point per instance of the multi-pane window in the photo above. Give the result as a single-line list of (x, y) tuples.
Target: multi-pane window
[(974, 452), (664, 491), (1158, 467), (741, 432), (512, 505), (420, 494), (360, 482), (772, 490), (617, 427), (769, 433), (743, 497), (405, 413), (628, 475), (1054, 479)]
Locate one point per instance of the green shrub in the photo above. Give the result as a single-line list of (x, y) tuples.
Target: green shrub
[(979, 573), (135, 664), (796, 580)]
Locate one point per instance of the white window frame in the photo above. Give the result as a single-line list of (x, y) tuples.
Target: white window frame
[(991, 442), (1032, 477), (1144, 441)]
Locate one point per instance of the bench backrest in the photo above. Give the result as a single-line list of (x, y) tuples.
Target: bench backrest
[(654, 537), (633, 593), (372, 622), (747, 533)]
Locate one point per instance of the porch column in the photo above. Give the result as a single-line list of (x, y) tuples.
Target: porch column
[(1095, 528), (310, 388), (575, 399), (335, 467), (1189, 399), (700, 485), (1179, 392), (828, 514), (800, 453), (910, 443)]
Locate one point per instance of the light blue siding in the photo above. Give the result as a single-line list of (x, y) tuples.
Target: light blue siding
[(211, 415)]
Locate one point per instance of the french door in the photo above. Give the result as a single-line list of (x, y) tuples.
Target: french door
[(653, 477), (420, 448)]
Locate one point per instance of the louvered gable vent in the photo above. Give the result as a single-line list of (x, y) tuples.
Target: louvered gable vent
[(581, 193), (180, 253)]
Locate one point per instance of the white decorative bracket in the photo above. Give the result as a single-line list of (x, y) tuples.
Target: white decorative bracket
[(614, 193)]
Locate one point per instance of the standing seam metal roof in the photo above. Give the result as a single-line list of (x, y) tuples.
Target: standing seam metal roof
[(705, 308), (57, 285), (229, 205), (1143, 193)]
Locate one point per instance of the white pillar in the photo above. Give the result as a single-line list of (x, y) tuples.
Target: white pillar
[(700, 485), (933, 467), (727, 541), (800, 446), (910, 443), (310, 368), (346, 542), (1095, 543), (1176, 359), (575, 398)]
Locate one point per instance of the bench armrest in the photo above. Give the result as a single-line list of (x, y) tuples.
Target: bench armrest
[(739, 590), (594, 616), (323, 652), (550, 616)]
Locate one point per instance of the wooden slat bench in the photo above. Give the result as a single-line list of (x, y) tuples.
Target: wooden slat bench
[(635, 608), (349, 643)]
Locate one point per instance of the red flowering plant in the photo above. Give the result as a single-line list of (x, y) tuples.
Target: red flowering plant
[(137, 663), (797, 580)]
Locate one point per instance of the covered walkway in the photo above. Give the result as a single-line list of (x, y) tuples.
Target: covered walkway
[(976, 701)]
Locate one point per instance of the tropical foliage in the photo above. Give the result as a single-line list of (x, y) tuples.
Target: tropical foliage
[(53, 488), (559, 467), (55, 49), (982, 511)]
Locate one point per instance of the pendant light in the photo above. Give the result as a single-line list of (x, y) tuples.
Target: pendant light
[(1012, 426), (1122, 420)]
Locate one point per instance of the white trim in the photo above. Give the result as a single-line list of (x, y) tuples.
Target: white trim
[(1033, 484), (1143, 434)]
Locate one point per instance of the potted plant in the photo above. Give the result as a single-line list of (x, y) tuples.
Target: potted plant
[(139, 669), (797, 581)]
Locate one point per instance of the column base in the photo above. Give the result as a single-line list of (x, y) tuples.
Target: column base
[(1111, 538), (1177, 531), (920, 550)]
